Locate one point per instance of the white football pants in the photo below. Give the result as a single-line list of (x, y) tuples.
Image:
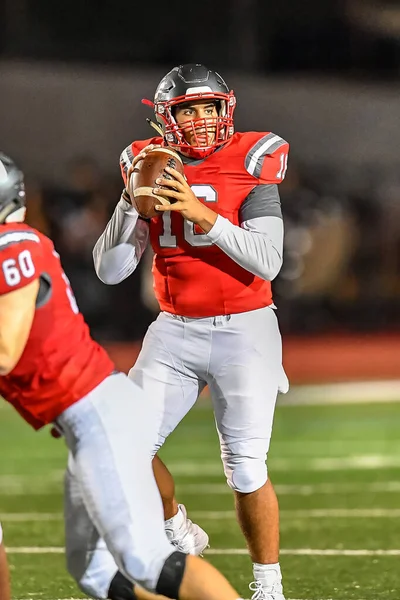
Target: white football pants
[(113, 511), (240, 358)]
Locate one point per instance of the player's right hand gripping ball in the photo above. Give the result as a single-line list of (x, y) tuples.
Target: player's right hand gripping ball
[(149, 169)]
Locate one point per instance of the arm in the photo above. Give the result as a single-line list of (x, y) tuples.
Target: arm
[(257, 245), (120, 247), (17, 310)]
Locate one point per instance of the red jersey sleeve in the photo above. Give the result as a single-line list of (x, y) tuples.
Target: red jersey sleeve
[(267, 159), (127, 156), (21, 259)]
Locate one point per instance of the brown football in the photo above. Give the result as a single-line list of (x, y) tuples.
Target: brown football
[(150, 168)]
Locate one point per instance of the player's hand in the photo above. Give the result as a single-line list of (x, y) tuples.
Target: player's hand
[(185, 201), (133, 169)]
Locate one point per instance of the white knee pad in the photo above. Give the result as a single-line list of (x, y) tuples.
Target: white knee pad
[(245, 474)]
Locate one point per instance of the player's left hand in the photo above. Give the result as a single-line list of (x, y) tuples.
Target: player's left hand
[(184, 200)]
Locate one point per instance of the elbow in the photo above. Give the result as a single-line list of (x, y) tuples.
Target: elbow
[(106, 277), (115, 265), (269, 272), (106, 274)]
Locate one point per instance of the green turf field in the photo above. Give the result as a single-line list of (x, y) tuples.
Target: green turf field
[(336, 471)]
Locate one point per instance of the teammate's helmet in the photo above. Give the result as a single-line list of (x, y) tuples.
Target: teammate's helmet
[(188, 83), (12, 190)]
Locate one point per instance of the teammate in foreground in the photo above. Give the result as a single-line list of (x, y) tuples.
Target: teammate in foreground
[(52, 371), (217, 249), (5, 592)]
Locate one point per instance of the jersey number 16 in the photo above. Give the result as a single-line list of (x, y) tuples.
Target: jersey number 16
[(168, 240)]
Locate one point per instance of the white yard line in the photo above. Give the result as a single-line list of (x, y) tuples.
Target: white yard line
[(295, 489), (21, 484), (232, 551), (306, 552), (307, 514), (217, 515), (324, 463), (15, 485), (33, 517), (353, 392), (35, 549)]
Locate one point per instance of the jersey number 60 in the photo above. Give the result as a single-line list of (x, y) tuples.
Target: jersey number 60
[(15, 269)]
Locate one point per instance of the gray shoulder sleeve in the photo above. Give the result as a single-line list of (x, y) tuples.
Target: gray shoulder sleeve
[(126, 159), (263, 201)]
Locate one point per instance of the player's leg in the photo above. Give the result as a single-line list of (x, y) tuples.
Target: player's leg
[(162, 371), (110, 435), (5, 591), (166, 487), (88, 559), (244, 388)]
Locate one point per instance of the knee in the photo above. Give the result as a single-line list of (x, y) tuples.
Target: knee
[(171, 576), (245, 474)]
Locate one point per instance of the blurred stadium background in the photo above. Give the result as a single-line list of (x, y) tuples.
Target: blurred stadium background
[(325, 76)]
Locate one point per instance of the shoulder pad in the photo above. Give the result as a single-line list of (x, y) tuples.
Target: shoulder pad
[(266, 145)]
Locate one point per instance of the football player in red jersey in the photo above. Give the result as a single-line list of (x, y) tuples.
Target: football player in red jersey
[(52, 371), (216, 251), (5, 592)]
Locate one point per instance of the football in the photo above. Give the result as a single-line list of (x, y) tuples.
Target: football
[(144, 180)]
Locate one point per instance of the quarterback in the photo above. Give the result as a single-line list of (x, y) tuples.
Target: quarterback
[(217, 247), (52, 371)]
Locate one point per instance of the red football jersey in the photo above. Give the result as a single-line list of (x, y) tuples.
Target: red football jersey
[(192, 276), (60, 363)]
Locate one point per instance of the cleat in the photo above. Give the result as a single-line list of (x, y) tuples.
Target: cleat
[(263, 591), (188, 537)]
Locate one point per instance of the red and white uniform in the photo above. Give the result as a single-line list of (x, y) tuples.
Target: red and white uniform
[(192, 275), (60, 363), (218, 325), (66, 377)]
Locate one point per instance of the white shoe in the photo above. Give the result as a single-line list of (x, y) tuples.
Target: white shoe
[(263, 591), (187, 537)]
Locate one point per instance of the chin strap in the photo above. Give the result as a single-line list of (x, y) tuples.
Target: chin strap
[(12, 214), (156, 127)]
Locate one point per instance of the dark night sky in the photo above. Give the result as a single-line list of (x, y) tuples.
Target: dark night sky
[(253, 35)]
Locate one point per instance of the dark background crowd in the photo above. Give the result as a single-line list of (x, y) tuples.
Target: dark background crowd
[(342, 251), (342, 243)]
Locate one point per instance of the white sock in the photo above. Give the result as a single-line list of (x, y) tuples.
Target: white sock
[(267, 573), (176, 521)]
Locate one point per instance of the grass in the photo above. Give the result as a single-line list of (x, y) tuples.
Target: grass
[(333, 467)]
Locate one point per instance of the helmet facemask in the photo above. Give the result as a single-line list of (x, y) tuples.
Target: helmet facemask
[(219, 128), (191, 84)]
